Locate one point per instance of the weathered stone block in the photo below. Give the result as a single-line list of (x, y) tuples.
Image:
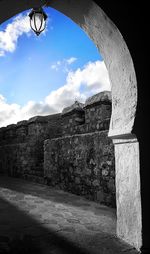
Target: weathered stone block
[(80, 164), (105, 172), (100, 196)]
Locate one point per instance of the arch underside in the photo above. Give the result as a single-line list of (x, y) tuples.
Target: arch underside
[(109, 41)]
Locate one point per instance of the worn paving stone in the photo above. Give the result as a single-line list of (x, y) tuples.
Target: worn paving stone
[(58, 223)]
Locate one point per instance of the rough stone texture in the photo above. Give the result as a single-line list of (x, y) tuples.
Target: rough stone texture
[(77, 106), (22, 160), (104, 97), (93, 116), (98, 112), (82, 164), (73, 119), (129, 221), (21, 146)]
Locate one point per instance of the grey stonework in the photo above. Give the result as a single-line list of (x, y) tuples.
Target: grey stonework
[(21, 146), (93, 116), (77, 155), (82, 164)]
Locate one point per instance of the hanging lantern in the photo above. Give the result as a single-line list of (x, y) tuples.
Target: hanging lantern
[(37, 20)]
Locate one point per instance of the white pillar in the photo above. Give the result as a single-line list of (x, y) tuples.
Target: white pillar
[(128, 191)]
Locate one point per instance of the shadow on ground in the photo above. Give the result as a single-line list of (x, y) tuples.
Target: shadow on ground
[(58, 196), (25, 235), (35, 219)]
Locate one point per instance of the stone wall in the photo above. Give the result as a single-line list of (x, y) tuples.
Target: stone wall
[(92, 116), (21, 146), (40, 127), (22, 160), (82, 164), (78, 155)]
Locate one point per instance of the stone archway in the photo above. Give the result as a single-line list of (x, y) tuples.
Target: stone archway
[(106, 36)]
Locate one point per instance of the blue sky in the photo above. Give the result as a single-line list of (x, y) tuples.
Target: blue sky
[(41, 75)]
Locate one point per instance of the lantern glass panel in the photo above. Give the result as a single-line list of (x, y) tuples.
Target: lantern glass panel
[(43, 25), (32, 23), (38, 17)]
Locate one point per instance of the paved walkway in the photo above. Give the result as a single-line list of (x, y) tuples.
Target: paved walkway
[(37, 219)]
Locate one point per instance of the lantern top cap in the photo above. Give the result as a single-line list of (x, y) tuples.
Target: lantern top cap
[(38, 10)]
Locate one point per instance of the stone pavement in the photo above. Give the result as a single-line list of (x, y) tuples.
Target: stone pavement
[(35, 218)]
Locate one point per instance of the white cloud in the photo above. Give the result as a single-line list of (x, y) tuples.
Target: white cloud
[(9, 37), (71, 60), (63, 64), (9, 113), (12, 113), (80, 84), (56, 65)]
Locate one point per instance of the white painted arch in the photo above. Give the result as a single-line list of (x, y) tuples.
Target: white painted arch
[(108, 39)]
